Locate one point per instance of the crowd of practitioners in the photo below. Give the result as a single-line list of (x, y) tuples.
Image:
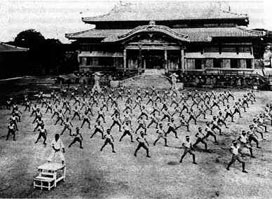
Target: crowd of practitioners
[(140, 114)]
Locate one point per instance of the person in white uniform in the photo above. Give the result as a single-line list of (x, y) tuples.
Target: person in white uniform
[(57, 149)]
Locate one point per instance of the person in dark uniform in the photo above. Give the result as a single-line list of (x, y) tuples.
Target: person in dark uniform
[(39, 124), (161, 135), (200, 138), (77, 138), (100, 115), (188, 148), (11, 131), (127, 131), (67, 125), (86, 119), (142, 143), (98, 128), (210, 132), (228, 113), (116, 121), (243, 139), (108, 140), (76, 113), (234, 149), (183, 122), (42, 134), (171, 128)]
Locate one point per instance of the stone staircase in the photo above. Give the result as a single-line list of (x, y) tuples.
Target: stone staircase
[(147, 80)]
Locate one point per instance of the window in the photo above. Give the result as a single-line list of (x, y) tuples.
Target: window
[(244, 49), (248, 63), (93, 61), (217, 63), (235, 63), (198, 63), (212, 49), (229, 49), (105, 61)]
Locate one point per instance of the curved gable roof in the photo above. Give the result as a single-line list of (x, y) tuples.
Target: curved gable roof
[(153, 28), (162, 10)]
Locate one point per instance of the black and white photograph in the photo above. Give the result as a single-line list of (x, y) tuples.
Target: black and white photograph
[(136, 99)]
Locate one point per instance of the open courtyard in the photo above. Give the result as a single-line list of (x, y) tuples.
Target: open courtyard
[(95, 174)]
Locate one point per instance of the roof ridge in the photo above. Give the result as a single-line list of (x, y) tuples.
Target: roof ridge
[(12, 46), (234, 13), (250, 31), (80, 32), (117, 7)]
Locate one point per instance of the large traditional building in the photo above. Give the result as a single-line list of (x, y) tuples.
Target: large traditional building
[(167, 35)]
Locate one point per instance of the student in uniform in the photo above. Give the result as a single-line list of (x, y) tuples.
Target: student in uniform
[(49, 106), (252, 136), (100, 114), (127, 118), (57, 149), (98, 128), (108, 140), (11, 131), (228, 113), (171, 128), (42, 134), (143, 112), (166, 114), (38, 115), (188, 148), (200, 138), (27, 105), (210, 132), (76, 113), (243, 139), (127, 131), (202, 111), (86, 119), (142, 125), (116, 121), (161, 135), (234, 149), (13, 119), (60, 118), (221, 120), (236, 109), (39, 124), (142, 143), (67, 125), (191, 116), (77, 138), (154, 120), (183, 122), (215, 125)]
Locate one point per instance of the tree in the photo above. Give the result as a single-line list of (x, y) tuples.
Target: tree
[(29, 39)]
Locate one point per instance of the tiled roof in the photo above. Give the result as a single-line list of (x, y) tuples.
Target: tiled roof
[(9, 48), (194, 34), (165, 10)]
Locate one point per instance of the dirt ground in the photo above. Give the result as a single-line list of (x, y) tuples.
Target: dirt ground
[(95, 174)]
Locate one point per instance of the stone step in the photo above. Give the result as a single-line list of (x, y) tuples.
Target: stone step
[(145, 81)]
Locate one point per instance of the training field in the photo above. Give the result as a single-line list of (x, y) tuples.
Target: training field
[(95, 174)]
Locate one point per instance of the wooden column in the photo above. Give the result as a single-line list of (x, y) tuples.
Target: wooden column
[(140, 64), (253, 60), (125, 59), (182, 60), (165, 59)]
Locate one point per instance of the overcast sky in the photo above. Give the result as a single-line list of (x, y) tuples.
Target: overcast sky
[(54, 18)]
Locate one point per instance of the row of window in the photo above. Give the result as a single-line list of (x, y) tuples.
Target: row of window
[(222, 63), (191, 63)]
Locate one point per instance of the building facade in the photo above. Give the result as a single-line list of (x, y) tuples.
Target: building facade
[(176, 36)]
